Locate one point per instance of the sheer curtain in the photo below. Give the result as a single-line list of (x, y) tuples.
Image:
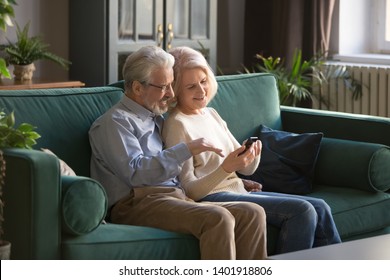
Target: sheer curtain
[(278, 27)]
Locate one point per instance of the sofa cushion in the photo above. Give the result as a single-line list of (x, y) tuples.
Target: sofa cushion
[(84, 204), (259, 97), (123, 242), (353, 164), (287, 161), (356, 212)]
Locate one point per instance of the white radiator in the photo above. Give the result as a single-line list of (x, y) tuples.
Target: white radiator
[(375, 98)]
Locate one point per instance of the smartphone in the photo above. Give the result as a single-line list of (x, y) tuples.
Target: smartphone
[(249, 143)]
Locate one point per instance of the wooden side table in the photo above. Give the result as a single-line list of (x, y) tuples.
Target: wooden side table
[(37, 83)]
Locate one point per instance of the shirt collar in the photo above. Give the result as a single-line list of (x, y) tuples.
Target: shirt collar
[(137, 109)]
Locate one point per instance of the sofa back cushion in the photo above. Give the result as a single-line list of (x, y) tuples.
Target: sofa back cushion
[(63, 118), (245, 101)]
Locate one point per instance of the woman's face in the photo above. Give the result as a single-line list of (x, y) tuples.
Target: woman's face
[(194, 91)]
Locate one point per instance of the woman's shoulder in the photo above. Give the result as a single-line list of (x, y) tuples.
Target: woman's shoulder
[(214, 114), (173, 116)]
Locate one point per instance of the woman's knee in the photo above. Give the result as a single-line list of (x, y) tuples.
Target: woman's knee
[(306, 209), (321, 206)]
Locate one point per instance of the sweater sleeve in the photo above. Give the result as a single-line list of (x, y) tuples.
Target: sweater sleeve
[(198, 187)]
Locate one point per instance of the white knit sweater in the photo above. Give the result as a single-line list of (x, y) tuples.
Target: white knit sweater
[(202, 174)]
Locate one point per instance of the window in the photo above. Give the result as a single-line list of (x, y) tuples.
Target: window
[(382, 14), (387, 27), (364, 31)]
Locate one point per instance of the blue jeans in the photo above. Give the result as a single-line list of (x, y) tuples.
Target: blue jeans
[(304, 222)]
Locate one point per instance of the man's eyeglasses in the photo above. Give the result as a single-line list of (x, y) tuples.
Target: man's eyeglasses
[(164, 88)]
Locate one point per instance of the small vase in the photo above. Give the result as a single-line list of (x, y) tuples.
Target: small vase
[(5, 250), (24, 72)]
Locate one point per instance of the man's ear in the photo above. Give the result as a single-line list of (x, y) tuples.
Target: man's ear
[(136, 87)]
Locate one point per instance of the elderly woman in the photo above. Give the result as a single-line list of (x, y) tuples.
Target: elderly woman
[(304, 222)]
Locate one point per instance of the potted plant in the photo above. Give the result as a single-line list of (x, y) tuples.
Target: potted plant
[(24, 136), (295, 83), (6, 12), (26, 50)]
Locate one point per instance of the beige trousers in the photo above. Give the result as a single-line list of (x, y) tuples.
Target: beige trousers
[(226, 230)]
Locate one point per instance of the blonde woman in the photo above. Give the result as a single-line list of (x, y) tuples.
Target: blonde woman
[(304, 222)]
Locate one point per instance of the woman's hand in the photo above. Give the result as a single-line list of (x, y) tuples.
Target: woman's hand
[(252, 186), (236, 161), (257, 146)]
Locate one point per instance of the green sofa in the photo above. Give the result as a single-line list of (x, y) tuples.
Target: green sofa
[(49, 216)]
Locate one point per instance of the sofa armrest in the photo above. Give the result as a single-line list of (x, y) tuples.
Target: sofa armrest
[(32, 204), (337, 125), (353, 164)]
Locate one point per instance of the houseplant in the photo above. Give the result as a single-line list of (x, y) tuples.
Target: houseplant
[(295, 83), (6, 12), (24, 136), (26, 50)]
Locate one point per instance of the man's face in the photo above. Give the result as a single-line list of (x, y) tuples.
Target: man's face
[(158, 93)]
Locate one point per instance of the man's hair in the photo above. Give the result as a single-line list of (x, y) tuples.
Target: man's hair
[(188, 58), (139, 65)]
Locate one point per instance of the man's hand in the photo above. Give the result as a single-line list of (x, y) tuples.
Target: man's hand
[(252, 186), (200, 145)]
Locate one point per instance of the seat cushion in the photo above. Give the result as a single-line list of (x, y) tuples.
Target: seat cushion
[(123, 242), (355, 212)]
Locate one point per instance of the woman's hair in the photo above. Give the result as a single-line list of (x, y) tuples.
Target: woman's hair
[(188, 58), (139, 65)]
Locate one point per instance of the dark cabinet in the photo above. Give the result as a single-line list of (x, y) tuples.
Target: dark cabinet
[(104, 33)]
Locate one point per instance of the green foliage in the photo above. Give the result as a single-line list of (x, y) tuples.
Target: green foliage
[(295, 84), (22, 136), (6, 12), (27, 49), (3, 68)]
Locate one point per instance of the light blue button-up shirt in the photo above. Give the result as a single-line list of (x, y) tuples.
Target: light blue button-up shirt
[(127, 151)]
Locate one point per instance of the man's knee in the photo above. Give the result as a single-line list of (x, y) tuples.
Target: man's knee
[(220, 215), (254, 210), (249, 210)]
